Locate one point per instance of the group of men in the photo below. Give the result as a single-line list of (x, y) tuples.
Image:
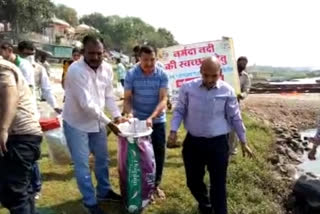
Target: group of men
[(208, 107), (21, 79)]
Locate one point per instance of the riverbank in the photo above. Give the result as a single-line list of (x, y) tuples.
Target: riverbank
[(288, 115)]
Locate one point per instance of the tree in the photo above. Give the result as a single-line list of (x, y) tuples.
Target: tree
[(96, 20), (167, 36), (67, 14), (26, 15), (124, 33)]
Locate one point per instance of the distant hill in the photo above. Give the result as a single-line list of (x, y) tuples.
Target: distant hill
[(269, 73), (261, 68)]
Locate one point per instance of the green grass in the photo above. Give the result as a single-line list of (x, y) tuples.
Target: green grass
[(251, 187)]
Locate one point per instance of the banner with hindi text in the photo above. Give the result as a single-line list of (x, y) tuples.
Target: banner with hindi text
[(182, 63)]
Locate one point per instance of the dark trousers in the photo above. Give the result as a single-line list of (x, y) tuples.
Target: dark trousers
[(16, 192), (158, 138), (36, 178), (211, 153), (122, 82)]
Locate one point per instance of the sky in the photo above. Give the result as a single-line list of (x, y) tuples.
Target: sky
[(268, 32)]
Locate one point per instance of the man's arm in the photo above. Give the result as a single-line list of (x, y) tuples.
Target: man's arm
[(127, 103), (246, 87), (47, 90), (178, 115), (233, 114), (9, 100), (180, 109), (163, 98), (128, 87)]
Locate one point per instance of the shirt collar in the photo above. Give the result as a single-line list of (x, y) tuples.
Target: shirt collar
[(17, 61), (218, 84), (87, 66), (141, 71)]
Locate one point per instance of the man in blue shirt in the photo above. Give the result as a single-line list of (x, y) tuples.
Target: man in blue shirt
[(209, 109), (145, 98)]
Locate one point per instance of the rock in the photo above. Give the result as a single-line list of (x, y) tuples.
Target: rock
[(274, 159), (284, 135), (307, 191), (291, 171), (305, 143), (281, 160), (281, 150), (289, 138), (294, 144), (280, 141), (296, 136), (278, 130), (282, 170), (312, 175), (307, 149), (291, 201), (285, 129), (266, 122), (300, 151), (292, 155)]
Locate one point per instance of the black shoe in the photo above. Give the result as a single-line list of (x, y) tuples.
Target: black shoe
[(205, 209), (95, 209), (112, 196)]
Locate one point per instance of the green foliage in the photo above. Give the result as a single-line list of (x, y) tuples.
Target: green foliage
[(26, 15), (124, 33), (66, 13)]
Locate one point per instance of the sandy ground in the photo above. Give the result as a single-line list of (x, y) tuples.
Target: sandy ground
[(301, 110)]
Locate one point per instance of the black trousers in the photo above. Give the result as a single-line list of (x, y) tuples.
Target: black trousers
[(212, 153), (158, 138), (122, 82), (16, 192)]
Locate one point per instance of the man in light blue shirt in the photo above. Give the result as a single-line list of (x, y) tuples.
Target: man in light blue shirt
[(145, 98), (210, 110), (121, 72)]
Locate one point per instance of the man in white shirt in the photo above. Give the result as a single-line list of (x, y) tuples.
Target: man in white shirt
[(42, 86), (88, 90), (245, 84), (6, 51), (43, 61), (41, 79)]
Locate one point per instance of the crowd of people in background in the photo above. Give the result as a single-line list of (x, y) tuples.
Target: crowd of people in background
[(208, 107)]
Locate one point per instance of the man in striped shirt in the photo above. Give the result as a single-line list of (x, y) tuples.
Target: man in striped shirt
[(145, 98)]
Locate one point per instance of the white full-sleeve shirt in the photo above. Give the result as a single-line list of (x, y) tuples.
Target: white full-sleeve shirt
[(42, 83), (88, 93)]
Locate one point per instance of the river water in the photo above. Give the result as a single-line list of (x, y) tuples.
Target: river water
[(298, 81), (308, 165)]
